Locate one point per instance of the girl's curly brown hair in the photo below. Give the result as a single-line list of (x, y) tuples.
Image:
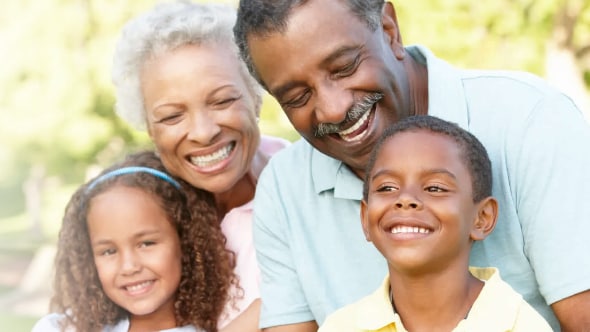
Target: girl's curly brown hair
[(207, 266)]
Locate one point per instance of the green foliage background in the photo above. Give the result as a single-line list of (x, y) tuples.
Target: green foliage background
[(56, 99), (57, 123)]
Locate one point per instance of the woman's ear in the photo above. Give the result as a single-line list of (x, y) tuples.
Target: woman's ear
[(365, 220), (391, 30), (485, 221)]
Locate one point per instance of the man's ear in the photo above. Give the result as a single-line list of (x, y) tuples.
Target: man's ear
[(485, 221), (365, 220), (391, 30)]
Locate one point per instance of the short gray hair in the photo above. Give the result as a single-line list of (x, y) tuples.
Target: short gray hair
[(164, 28)]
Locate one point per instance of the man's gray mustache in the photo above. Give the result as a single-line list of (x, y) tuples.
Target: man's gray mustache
[(356, 111)]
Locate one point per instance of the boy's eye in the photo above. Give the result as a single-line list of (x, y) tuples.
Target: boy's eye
[(435, 189), (386, 188)]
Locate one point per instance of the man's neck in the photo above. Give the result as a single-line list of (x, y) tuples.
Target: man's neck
[(418, 79)]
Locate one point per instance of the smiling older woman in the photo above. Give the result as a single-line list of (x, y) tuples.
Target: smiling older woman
[(177, 73)]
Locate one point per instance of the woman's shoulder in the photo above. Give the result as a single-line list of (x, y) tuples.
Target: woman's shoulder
[(271, 144)]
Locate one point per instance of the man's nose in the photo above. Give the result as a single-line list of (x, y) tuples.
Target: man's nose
[(332, 104)]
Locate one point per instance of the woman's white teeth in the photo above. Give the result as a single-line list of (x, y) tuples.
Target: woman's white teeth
[(138, 287), (409, 229), (360, 122), (213, 158)]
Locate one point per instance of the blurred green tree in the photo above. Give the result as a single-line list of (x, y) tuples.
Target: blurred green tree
[(57, 101)]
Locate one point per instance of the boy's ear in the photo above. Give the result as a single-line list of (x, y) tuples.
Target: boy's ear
[(391, 30), (485, 221), (365, 220)]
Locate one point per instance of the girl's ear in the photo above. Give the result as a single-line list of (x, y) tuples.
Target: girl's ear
[(391, 30), (485, 221), (365, 220)]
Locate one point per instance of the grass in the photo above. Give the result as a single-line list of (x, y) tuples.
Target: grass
[(16, 323)]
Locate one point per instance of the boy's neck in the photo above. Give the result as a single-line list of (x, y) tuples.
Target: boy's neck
[(434, 302)]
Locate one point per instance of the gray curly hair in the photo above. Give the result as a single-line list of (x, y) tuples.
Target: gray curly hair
[(164, 28)]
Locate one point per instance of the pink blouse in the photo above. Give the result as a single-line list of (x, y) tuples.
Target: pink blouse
[(237, 228)]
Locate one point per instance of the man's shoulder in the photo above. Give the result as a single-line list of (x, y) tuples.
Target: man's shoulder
[(506, 79)]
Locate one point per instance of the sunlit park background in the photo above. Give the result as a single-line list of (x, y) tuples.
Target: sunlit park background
[(58, 127)]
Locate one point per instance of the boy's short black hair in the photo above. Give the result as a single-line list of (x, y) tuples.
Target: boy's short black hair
[(473, 152)]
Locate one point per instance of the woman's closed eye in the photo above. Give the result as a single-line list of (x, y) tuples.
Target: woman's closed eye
[(170, 119), (228, 101)]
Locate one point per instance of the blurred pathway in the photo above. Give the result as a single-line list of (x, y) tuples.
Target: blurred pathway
[(27, 283)]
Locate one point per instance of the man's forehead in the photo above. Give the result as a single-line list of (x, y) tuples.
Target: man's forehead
[(310, 35)]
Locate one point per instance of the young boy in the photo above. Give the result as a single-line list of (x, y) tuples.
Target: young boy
[(426, 199)]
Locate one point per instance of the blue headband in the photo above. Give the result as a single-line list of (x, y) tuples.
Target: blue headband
[(133, 169)]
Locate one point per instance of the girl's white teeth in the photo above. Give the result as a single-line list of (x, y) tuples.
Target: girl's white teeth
[(213, 158), (138, 287), (409, 229), (361, 121)]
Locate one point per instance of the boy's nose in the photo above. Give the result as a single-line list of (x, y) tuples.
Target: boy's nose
[(407, 200)]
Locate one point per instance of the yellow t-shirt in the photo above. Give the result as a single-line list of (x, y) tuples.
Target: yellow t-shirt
[(498, 308)]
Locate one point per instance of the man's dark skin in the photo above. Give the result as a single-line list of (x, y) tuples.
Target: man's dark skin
[(314, 83)]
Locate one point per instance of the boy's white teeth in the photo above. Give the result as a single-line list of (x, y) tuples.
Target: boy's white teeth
[(138, 287), (409, 229), (213, 158), (360, 122)]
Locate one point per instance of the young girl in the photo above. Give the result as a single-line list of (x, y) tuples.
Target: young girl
[(139, 250)]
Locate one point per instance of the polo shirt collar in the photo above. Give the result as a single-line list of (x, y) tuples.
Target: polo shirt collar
[(376, 312), (332, 174), (486, 308)]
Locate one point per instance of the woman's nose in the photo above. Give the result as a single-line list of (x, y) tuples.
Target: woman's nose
[(203, 127)]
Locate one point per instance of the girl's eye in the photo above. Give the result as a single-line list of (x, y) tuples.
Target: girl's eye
[(107, 252), (147, 243)]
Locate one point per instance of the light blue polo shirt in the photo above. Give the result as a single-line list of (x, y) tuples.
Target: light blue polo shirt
[(310, 245)]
